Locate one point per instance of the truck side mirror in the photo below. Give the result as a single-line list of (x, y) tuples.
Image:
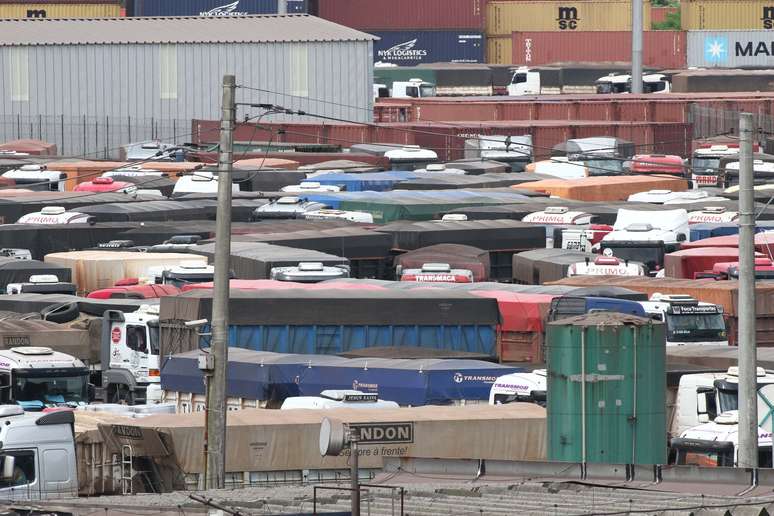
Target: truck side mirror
[(9, 462), (681, 237), (702, 403)]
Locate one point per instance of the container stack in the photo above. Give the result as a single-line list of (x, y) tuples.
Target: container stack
[(60, 9), (213, 8), (414, 32)]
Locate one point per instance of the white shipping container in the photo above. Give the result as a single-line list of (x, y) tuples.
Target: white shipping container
[(731, 49)]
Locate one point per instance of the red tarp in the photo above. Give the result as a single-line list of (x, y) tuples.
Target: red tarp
[(686, 262), (519, 312)]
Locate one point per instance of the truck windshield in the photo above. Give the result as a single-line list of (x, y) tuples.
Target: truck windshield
[(50, 386), (695, 327), (153, 332), (652, 257), (700, 165), (601, 167), (427, 90)]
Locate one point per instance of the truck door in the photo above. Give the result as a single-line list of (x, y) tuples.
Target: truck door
[(24, 483), (56, 472)]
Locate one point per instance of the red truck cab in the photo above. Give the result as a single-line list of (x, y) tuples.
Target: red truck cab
[(132, 289), (105, 184), (658, 164)]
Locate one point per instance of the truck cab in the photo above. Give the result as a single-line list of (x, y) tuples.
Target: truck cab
[(310, 187), (42, 284), (571, 306), (524, 82), (39, 377), (55, 215), (520, 387), (516, 151), (659, 196), (106, 184), (716, 444), (309, 272), (331, 399), (585, 238), (705, 164), (130, 356), (37, 178), (37, 455), (622, 83), (712, 214), (687, 320), (289, 207), (410, 157), (437, 273), (413, 88), (658, 164), (764, 270), (606, 266), (328, 214), (558, 215)]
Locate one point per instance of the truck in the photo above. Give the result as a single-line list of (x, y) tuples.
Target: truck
[(437, 273), (712, 214), (606, 266), (410, 157), (687, 320), (309, 272), (558, 215), (764, 270), (287, 207), (330, 399), (129, 356), (413, 88), (524, 82), (516, 151), (36, 377), (310, 187), (55, 215), (658, 164), (37, 178), (329, 214), (42, 284), (622, 83), (529, 387), (705, 164), (662, 196), (716, 444), (586, 239)]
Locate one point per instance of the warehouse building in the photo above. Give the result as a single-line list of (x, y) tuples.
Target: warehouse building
[(92, 85)]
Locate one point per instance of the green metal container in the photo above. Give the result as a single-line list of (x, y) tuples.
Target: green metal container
[(607, 390)]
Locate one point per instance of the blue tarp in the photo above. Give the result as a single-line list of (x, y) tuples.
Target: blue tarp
[(273, 376), (708, 230), (375, 181)]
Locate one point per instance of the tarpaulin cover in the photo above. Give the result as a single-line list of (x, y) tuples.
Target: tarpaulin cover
[(254, 260), (442, 181), (519, 312), (13, 207), (490, 235), (164, 185), (271, 163), (351, 242), (604, 213), (94, 270), (373, 181), (166, 210), (543, 265), (45, 239), (687, 262), (709, 230), (608, 188), (289, 439), (478, 166), (19, 271), (60, 338), (25, 303), (764, 243), (456, 255)]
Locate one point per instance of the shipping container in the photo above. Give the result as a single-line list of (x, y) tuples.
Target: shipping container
[(405, 14), (730, 49), (413, 47), (606, 390), (726, 14), (661, 49), (63, 9), (499, 50), (204, 7), (503, 18), (661, 14)]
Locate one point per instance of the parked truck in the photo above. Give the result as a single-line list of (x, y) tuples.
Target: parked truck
[(687, 320)]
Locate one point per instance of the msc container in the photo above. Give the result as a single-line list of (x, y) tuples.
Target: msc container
[(204, 7), (64, 9), (413, 47), (726, 14), (503, 18), (405, 14), (606, 390), (730, 49), (499, 50), (661, 49)]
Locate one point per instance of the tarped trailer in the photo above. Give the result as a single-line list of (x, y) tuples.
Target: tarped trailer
[(545, 265)]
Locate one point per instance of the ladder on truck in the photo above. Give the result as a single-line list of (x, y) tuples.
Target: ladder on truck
[(128, 473)]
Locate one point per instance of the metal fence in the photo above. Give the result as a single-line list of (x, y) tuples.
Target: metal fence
[(92, 137), (708, 122)]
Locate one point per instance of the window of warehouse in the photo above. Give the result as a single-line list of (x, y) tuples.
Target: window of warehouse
[(19, 73), (168, 71), (299, 71)]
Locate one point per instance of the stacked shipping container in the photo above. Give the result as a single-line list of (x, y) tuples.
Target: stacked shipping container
[(211, 7), (60, 9), (415, 31)]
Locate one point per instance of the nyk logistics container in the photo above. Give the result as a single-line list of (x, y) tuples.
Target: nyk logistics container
[(62, 9), (404, 14), (413, 47), (204, 7), (726, 14), (731, 49), (503, 18), (661, 49)]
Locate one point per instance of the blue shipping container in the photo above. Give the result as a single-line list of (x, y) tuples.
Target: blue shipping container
[(212, 7), (332, 340), (409, 48)]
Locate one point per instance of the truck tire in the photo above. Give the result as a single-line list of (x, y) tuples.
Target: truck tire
[(61, 312)]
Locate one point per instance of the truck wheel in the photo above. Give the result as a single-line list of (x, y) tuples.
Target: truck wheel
[(61, 312)]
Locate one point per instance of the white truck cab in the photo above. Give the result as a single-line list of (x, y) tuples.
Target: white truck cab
[(716, 444), (687, 320), (712, 214), (185, 273), (524, 82), (352, 216), (343, 398), (55, 215), (558, 215), (622, 83), (42, 284), (37, 177), (410, 157), (669, 197), (286, 207), (199, 182), (309, 272), (130, 356), (413, 88), (520, 387), (39, 377), (37, 455), (562, 167), (310, 187), (606, 266), (16, 253), (436, 273)]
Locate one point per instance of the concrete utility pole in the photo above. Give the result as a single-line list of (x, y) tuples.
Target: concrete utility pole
[(748, 384), (216, 424), (636, 46), (354, 470)]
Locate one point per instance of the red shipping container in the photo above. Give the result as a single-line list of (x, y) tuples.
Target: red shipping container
[(661, 49), (405, 14)]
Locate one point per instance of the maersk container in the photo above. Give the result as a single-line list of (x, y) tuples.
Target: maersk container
[(606, 390), (726, 14), (405, 14), (413, 47), (505, 17), (203, 7), (731, 48), (335, 339)]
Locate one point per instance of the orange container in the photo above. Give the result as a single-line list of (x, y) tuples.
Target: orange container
[(615, 188)]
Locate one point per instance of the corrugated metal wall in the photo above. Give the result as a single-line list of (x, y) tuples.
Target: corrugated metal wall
[(98, 91)]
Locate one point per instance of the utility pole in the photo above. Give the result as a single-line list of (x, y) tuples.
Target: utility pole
[(354, 470), (216, 404), (636, 46), (748, 388)]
